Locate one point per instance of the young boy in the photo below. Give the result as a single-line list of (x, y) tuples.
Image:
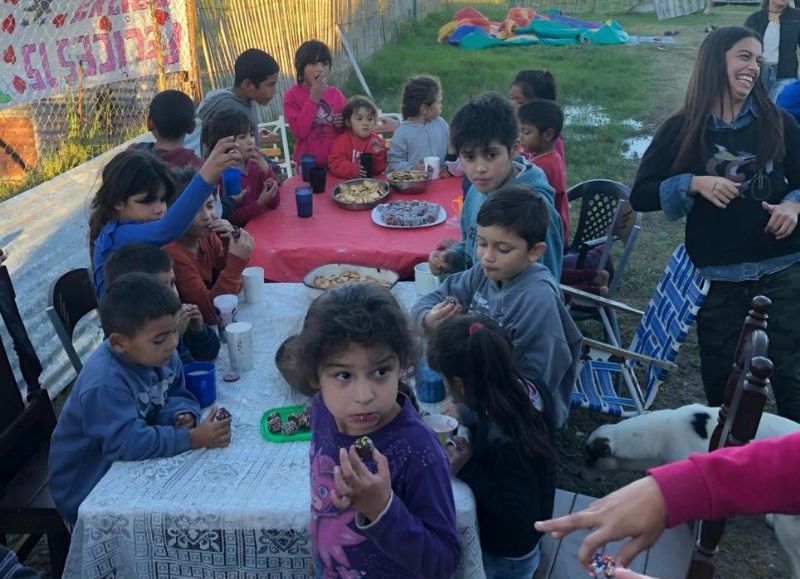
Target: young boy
[(255, 77), (129, 401), (208, 260), (484, 133), (520, 294), (196, 340), (170, 118), (540, 124)]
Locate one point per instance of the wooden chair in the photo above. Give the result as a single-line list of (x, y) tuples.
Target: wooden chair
[(745, 394), (282, 152), (71, 298), (25, 504)]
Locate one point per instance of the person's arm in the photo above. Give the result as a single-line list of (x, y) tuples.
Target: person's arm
[(379, 158), (461, 286), (398, 150), (340, 161), (248, 209), (783, 216), (11, 568), (179, 399), (300, 112), (202, 345), (655, 188)]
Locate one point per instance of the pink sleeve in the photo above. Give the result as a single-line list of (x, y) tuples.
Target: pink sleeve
[(300, 111), (753, 479)]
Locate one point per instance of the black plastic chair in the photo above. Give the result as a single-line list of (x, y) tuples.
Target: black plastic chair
[(26, 507), (71, 298)]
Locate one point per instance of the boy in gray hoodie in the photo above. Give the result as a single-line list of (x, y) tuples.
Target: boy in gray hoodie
[(510, 286)]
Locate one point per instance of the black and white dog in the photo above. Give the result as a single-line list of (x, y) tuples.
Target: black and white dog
[(665, 436)]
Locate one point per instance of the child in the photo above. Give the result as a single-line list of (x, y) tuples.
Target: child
[(536, 84), (255, 77), (510, 464), (423, 132), (312, 107), (129, 401), (209, 259), (131, 204), (540, 124), (485, 131), (170, 118), (196, 340), (388, 512), (519, 294), (259, 183), (360, 115)]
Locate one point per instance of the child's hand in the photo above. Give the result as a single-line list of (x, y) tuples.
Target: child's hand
[(450, 408), (185, 420), (439, 313), (440, 261), (222, 227), (195, 318), (338, 121), (420, 166), (361, 172), (318, 87), (211, 433), (782, 218), (184, 315), (242, 247), (268, 193), (357, 487), (459, 452), (443, 172), (225, 154)]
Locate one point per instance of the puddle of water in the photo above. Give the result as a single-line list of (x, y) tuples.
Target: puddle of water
[(633, 124), (635, 147), (585, 115)]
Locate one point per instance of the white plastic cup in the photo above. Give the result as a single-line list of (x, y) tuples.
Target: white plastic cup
[(253, 283), (424, 281), (444, 426), (432, 166), (239, 336), (226, 305)]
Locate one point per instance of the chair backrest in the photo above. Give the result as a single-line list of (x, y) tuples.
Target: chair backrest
[(71, 298), (281, 128), (670, 314), (625, 228), (599, 199)]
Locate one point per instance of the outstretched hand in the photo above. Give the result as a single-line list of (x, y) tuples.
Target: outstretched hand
[(357, 487), (782, 218)]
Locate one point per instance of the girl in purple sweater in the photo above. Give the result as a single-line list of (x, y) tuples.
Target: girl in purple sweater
[(381, 507)]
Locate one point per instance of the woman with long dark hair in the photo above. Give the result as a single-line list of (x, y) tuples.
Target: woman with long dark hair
[(779, 27), (729, 161)]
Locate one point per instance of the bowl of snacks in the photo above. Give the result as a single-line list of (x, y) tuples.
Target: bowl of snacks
[(359, 194), (409, 182)]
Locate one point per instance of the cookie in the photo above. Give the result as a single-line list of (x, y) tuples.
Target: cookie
[(364, 447), (222, 414)]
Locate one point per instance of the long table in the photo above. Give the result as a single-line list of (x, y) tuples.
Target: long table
[(238, 512), (288, 247)]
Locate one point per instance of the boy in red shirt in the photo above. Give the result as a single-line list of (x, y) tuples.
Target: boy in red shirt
[(360, 117)]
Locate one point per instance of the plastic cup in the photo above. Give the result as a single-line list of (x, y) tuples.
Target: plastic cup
[(432, 166), (305, 201), (201, 380), (444, 426), (317, 177), (226, 305), (366, 162), (253, 283), (307, 162), (232, 180), (429, 384), (424, 281), (239, 336)]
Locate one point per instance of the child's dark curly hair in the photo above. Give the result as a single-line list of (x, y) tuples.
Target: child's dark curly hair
[(361, 313), (422, 89)]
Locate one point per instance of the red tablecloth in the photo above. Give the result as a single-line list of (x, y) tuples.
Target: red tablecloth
[(288, 247)]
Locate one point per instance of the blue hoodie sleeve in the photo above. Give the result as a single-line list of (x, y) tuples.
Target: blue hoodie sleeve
[(461, 285), (179, 399), (202, 345)]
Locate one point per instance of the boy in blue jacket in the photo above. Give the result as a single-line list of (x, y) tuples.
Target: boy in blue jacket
[(196, 339), (484, 134), (129, 401)]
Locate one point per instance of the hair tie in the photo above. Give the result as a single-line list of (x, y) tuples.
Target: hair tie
[(474, 327)]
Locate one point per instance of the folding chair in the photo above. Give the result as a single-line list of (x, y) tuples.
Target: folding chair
[(273, 150), (607, 376), (71, 298)]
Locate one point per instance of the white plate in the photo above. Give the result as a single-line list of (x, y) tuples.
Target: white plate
[(386, 276), (378, 219)]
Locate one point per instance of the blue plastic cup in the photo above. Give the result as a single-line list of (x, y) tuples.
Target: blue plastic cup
[(304, 198), (232, 180), (307, 162), (201, 380), (429, 384)]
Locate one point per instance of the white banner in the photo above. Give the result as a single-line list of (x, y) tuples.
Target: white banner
[(44, 42)]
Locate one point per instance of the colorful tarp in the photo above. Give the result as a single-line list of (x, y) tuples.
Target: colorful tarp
[(471, 30)]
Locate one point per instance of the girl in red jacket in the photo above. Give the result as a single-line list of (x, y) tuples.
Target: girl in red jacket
[(360, 117)]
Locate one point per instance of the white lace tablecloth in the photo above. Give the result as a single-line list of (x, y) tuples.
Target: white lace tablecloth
[(237, 512)]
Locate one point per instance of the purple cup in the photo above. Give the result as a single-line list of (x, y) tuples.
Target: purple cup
[(232, 180), (201, 380)]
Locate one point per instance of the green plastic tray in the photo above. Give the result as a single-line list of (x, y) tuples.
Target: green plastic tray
[(283, 412)]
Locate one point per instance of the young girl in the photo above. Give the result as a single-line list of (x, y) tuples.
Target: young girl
[(360, 116), (312, 107), (423, 132), (259, 182), (388, 512), (131, 204), (536, 84), (510, 463)]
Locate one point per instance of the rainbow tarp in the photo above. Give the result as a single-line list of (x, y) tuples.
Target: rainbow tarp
[(471, 30)]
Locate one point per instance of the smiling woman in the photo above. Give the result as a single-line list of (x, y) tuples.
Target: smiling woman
[(729, 161)]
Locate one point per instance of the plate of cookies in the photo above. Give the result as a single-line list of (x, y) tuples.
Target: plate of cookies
[(286, 424), (335, 274)]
